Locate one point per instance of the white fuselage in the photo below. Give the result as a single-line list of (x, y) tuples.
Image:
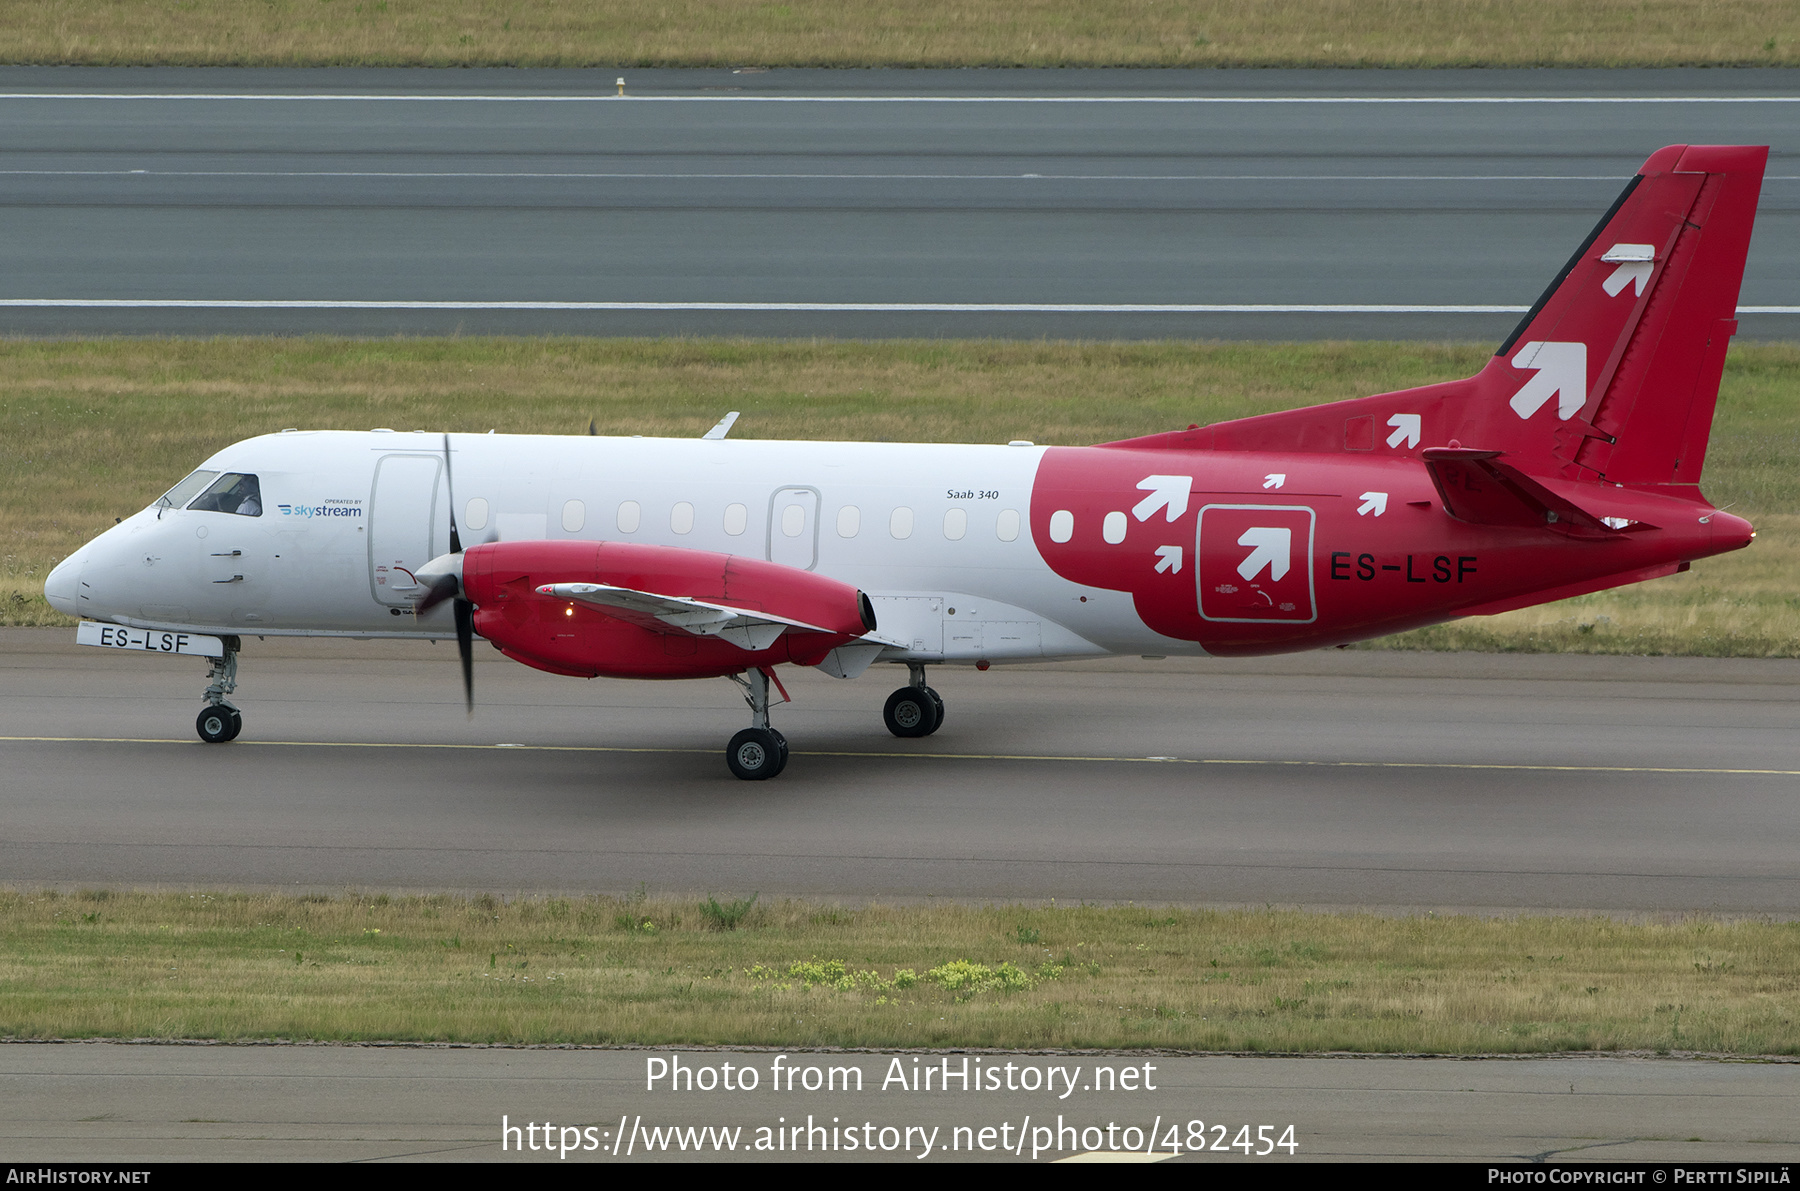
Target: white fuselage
[(938, 535)]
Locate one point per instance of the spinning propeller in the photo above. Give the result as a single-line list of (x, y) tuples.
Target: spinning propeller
[(442, 578)]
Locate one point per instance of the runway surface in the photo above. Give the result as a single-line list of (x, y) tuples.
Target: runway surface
[(1430, 204), (1627, 785), (101, 1102)]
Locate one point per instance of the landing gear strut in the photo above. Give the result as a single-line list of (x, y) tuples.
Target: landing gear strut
[(759, 752), (915, 709), (219, 720)]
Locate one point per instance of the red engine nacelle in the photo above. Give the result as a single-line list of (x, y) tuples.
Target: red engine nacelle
[(569, 637)]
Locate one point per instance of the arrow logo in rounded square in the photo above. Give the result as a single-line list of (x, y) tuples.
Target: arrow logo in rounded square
[(1254, 563)]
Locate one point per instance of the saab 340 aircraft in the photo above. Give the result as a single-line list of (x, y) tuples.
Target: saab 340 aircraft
[(1569, 464)]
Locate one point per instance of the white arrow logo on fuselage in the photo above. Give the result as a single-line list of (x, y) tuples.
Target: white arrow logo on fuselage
[(1561, 373), (1164, 490), (1372, 502), (1406, 429), (1273, 546)]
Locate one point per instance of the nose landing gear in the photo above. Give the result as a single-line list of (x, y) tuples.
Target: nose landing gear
[(219, 720), (759, 752), (914, 710)]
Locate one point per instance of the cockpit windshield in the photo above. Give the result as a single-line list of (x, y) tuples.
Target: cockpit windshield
[(232, 492), (183, 492)]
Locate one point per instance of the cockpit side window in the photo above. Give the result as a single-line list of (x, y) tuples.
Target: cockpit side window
[(232, 492), (183, 492)]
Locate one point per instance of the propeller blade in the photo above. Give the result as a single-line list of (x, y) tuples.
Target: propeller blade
[(465, 648), (450, 493)]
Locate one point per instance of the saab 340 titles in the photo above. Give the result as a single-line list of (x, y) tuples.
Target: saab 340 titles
[(1569, 464)]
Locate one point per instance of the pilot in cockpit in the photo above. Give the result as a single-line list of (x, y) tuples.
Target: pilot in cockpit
[(232, 493)]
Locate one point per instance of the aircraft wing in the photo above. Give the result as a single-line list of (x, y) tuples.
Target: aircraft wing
[(746, 628)]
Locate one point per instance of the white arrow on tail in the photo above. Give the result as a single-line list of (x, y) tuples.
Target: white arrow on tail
[(1406, 430), (1168, 559), (1372, 502), (1635, 262), (1164, 490), (1275, 479), (1561, 373), (1273, 545)]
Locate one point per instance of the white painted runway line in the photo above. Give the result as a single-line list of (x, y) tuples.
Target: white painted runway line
[(875, 307), (1225, 100), (756, 307)]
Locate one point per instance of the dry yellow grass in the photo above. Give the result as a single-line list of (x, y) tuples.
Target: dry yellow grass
[(1386, 33), (603, 970), (92, 430)]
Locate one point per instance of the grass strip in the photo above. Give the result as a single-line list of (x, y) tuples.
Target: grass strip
[(945, 33), (745, 972), (91, 430)]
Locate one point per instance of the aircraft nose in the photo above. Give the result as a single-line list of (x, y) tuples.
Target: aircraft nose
[(63, 584)]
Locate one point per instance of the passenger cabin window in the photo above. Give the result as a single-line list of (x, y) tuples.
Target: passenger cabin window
[(736, 518), (183, 492), (232, 492), (681, 517)]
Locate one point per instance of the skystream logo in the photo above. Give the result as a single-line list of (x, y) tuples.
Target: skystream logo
[(331, 508)]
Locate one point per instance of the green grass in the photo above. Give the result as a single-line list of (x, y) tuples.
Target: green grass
[(955, 33), (91, 430), (599, 970)]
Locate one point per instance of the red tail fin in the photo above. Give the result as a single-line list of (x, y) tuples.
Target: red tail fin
[(1612, 375)]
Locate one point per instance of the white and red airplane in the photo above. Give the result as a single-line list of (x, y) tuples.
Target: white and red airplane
[(1569, 464)]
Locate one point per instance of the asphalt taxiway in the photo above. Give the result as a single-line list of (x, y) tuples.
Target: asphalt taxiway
[(1449, 781)]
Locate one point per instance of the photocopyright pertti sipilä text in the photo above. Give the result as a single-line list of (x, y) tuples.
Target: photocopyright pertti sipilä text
[(858, 1104)]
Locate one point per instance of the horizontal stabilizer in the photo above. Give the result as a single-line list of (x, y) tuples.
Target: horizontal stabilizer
[(1477, 488)]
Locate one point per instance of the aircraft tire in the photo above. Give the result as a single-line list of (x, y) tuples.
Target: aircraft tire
[(217, 724), (912, 711), (782, 744), (756, 754), (937, 704)]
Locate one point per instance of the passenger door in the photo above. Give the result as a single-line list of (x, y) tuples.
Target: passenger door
[(404, 510)]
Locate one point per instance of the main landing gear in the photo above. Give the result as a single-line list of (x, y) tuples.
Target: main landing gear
[(759, 752), (915, 709), (219, 721)]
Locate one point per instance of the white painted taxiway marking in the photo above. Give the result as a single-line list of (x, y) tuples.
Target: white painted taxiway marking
[(923, 756)]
